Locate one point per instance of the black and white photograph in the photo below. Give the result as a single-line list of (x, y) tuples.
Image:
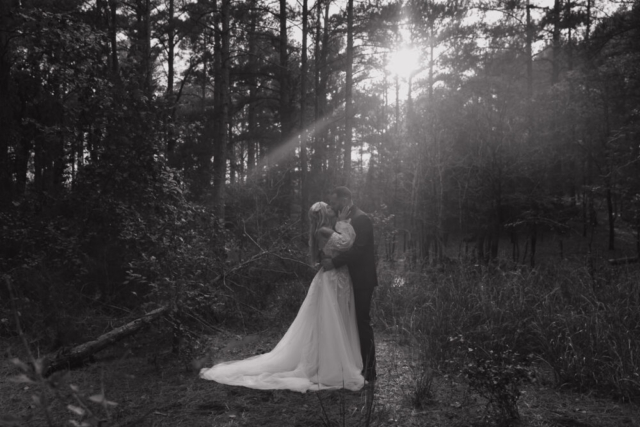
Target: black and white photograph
[(319, 213)]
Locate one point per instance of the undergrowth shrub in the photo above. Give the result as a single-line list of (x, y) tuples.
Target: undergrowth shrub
[(497, 376), (422, 392), (581, 321), (125, 241), (83, 409), (41, 254), (278, 280), (68, 251), (238, 276)]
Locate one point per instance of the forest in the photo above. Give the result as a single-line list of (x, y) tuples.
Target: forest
[(158, 159)]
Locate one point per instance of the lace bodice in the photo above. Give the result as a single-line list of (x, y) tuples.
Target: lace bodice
[(341, 240)]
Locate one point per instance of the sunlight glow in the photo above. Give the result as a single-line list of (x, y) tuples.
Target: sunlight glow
[(404, 62), (286, 149)]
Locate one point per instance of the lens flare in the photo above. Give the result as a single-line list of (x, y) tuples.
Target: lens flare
[(404, 61)]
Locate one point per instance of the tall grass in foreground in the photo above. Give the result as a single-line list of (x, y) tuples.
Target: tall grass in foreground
[(583, 323)]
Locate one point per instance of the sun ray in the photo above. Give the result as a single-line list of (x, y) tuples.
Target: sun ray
[(288, 148)]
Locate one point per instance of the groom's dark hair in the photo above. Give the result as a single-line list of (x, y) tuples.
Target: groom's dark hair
[(342, 192)]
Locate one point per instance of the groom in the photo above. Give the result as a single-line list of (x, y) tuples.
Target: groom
[(361, 262)]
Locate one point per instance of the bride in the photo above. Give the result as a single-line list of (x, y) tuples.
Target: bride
[(321, 349)]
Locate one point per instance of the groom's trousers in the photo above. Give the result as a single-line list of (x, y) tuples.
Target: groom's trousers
[(362, 300)]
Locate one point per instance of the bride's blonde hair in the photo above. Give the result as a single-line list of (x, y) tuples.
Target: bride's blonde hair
[(318, 218)]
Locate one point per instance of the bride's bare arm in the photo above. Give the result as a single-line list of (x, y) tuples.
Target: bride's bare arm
[(325, 233)]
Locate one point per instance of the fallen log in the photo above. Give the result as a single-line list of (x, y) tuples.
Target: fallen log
[(623, 261), (67, 358)]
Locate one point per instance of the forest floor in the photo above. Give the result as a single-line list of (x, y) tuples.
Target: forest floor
[(152, 387)]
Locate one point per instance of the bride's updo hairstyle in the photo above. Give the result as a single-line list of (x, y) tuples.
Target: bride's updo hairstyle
[(318, 218)]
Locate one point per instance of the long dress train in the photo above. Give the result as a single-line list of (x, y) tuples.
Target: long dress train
[(320, 350)]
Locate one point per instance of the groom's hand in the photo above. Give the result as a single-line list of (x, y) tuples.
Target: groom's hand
[(327, 264), (344, 213)]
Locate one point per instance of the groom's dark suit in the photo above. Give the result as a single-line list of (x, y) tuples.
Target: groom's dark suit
[(360, 260)]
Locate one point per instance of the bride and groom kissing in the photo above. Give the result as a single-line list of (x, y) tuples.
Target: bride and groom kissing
[(330, 343)]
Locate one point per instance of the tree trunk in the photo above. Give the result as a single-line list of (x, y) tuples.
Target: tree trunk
[(638, 233), (253, 83), (587, 32), (431, 63), (319, 156), (529, 34), (146, 49), (216, 125), (570, 38), (220, 154), (349, 114), (285, 108), (515, 247), (22, 163), (555, 70), (303, 131), (397, 118), (534, 241), (610, 175), (6, 113), (612, 218), (113, 30), (170, 47), (171, 140), (39, 164), (202, 179), (234, 169), (58, 161), (285, 113)]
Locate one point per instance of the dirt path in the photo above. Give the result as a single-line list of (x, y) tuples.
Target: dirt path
[(155, 389)]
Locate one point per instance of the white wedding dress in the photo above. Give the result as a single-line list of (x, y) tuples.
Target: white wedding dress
[(321, 349)]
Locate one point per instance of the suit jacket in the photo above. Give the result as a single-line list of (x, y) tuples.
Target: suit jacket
[(360, 258)]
